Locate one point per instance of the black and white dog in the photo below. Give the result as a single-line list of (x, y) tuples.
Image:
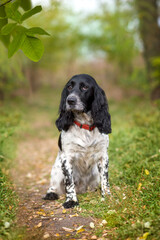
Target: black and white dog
[(84, 122)]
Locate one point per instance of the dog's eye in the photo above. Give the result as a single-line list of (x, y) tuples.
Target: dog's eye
[(70, 87), (84, 88)]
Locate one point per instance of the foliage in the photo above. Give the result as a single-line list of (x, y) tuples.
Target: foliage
[(15, 35), (65, 44), (114, 35), (11, 75)]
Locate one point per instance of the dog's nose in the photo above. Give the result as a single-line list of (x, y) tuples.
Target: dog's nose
[(71, 100)]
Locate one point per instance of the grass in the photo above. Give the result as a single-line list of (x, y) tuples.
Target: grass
[(8, 200), (134, 151)]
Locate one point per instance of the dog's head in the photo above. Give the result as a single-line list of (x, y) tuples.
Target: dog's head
[(82, 94)]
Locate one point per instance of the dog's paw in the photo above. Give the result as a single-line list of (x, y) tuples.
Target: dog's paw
[(70, 204), (51, 196)]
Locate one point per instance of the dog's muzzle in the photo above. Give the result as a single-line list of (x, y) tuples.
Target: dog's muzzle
[(73, 103), (71, 100)]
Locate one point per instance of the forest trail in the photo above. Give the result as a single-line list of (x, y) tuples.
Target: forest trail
[(31, 174)]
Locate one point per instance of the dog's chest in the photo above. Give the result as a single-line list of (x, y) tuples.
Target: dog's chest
[(83, 147)]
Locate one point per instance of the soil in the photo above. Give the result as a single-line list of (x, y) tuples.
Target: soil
[(43, 219)]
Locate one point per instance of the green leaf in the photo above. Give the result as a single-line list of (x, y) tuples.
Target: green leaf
[(36, 30), (12, 12), (1, 18), (32, 48), (16, 44), (3, 22), (26, 4), (5, 40), (8, 28), (31, 12)]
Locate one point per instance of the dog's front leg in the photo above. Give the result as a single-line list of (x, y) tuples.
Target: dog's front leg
[(103, 169), (71, 198)]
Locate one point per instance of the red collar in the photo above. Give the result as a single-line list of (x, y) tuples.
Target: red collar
[(85, 126)]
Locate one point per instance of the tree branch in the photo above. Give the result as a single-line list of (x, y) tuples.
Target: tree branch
[(5, 3)]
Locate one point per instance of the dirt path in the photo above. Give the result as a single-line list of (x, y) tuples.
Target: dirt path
[(43, 219)]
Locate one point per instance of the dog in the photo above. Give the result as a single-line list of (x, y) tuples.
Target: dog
[(84, 123)]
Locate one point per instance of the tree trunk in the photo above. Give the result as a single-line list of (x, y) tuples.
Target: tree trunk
[(150, 33)]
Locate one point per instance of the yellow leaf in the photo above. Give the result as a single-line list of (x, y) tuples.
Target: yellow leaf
[(146, 172), (41, 213), (52, 213), (145, 235), (80, 230), (10, 207), (57, 235), (68, 234), (139, 186), (38, 225), (64, 211), (75, 215)]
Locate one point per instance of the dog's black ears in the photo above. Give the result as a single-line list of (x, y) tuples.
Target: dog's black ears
[(99, 111), (66, 118)]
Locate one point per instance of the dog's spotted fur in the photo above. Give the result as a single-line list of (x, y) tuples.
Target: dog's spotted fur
[(82, 161)]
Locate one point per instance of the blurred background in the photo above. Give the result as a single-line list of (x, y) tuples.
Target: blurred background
[(117, 42)]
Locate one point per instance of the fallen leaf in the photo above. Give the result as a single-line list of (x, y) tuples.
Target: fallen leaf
[(146, 172), (147, 224), (51, 213), (79, 227), (6, 224), (41, 213), (57, 235), (29, 175), (46, 235), (91, 225), (139, 186), (75, 215), (144, 237), (43, 181), (94, 237), (38, 225), (68, 234), (68, 229), (64, 211), (80, 230)]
